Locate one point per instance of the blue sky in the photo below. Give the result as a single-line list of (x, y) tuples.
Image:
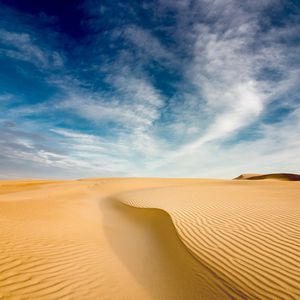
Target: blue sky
[(149, 88)]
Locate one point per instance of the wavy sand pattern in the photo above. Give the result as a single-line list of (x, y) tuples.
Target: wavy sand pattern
[(174, 239)]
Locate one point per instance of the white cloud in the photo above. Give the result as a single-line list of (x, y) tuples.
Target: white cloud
[(145, 41), (4, 98), (95, 153), (229, 56), (136, 104), (132, 113), (21, 46), (275, 150)]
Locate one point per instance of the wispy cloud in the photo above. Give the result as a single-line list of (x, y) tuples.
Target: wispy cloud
[(273, 151), (20, 46), (137, 105), (149, 46), (230, 56)]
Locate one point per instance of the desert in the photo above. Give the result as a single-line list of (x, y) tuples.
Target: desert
[(149, 150), (150, 238)]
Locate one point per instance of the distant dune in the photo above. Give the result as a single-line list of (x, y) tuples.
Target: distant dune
[(274, 176), (150, 239)]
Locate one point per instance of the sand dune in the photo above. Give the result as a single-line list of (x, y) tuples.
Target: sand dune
[(274, 176), (149, 239)]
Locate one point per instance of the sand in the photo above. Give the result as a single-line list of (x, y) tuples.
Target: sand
[(150, 239)]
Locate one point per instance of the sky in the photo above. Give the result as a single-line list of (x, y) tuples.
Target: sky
[(165, 88)]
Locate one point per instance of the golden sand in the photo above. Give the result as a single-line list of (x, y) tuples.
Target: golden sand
[(150, 239)]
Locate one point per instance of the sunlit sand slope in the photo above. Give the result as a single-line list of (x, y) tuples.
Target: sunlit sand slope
[(246, 233), (149, 239), (71, 240)]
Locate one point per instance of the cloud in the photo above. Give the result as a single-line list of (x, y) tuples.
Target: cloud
[(20, 146), (92, 152), (272, 151), (139, 107), (4, 98), (76, 155), (133, 139), (229, 55), (21, 46), (132, 110), (148, 44)]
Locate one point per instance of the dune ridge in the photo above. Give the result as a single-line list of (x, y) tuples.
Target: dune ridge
[(274, 176), (252, 250), (182, 276), (149, 239)]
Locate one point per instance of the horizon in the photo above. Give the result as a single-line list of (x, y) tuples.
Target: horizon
[(159, 89), (281, 176)]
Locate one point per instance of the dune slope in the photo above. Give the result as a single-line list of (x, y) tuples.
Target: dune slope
[(247, 233)]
